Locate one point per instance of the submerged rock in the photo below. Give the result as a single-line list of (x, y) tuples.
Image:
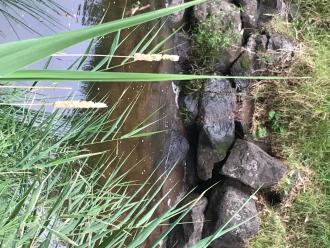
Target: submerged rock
[(252, 166), (217, 130), (177, 149), (224, 203), (187, 234)]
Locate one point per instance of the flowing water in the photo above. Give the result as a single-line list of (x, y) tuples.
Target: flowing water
[(152, 150)]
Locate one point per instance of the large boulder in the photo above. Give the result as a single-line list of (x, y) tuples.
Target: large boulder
[(189, 233), (252, 166), (217, 131), (224, 203), (221, 21)]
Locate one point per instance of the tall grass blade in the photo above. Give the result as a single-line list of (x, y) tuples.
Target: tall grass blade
[(16, 55)]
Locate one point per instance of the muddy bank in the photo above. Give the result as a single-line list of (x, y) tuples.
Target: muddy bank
[(233, 38)]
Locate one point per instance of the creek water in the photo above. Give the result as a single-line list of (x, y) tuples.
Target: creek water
[(152, 150)]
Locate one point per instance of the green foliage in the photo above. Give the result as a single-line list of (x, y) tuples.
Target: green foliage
[(274, 118), (212, 37), (261, 132)]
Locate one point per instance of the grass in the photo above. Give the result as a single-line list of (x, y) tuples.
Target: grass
[(296, 116), (273, 233)]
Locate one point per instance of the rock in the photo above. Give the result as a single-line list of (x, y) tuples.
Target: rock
[(182, 48), (249, 13), (280, 42), (176, 19), (193, 230), (217, 131), (268, 8), (186, 235), (244, 65), (252, 166), (226, 25), (188, 107), (262, 42), (177, 150), (279, 50), (224, 203)]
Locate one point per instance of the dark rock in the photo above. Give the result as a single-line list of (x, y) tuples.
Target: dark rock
[(227, 23), (186, 235), (177, 150), (224, 203), (263, 144), (244, 65), (280, 42), (249, 13), (188, 107), (268, 8), (176, 19), (182, 48), (217, 133), (279, 50), (252, 166)]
